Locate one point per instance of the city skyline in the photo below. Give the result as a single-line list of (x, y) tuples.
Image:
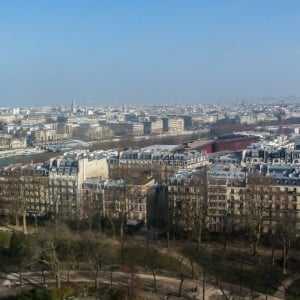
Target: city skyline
[(102, 53)]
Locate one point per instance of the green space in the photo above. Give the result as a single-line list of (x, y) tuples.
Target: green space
[(5, 239), (106, 292), (236, 267), (57, 247), (66, 293), (293, 291), (148, 259)]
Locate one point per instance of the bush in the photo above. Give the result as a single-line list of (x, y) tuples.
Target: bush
[(35, 294), (5, 238), (45, 294), (293, 291)]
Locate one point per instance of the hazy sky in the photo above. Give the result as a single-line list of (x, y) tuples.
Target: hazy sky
[(147, 51)]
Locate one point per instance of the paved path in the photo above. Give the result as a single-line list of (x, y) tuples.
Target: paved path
[(165, 285), (285, 284)]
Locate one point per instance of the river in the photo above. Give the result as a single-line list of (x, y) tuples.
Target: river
[(9, 160)]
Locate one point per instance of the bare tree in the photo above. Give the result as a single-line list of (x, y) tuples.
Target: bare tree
[(22, 190), (257, 200), (200, 215), (22, 252), (14, 195), (287, 232), (51, 247), (151, 263), (187, 206), (227, 228), (94, 249), (92, 208), (14, 198)]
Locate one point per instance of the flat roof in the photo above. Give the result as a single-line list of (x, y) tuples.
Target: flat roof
[(198, 143)]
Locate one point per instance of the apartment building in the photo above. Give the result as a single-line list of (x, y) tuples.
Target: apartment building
[(53, 187), (44, 136), (225, 192), (127, 128), (66, 177), (246, 118), (159, 161), (237, 196), (153, 127), (116, 199), (8, 142), (270, 200), (211, 193), (173, 124), (22, 190), (187, 201)]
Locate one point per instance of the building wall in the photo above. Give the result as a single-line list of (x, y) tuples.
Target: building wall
[(175, 125), (66, 187), (93, 168), (235, 202), (157, 127), (208, 148), (187, 202), (160, 168), (234, 144), (21, 191), (121, 129), (64, 194), (44, 136), (5, 142), (18, 143), (116, 201)]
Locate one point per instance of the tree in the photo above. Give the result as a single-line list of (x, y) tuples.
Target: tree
[(287, 232), (92, 208), (257, 201), (116, 209), (151, 263), (187, 199), (14, 198), (22, 252), (227, 228), (200, 208), (34, 195), (94, 250), (70, 249), (23, 190), (51, 243)]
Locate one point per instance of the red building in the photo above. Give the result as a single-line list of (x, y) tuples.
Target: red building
[(228, 142), (234, 144), (200, 145)]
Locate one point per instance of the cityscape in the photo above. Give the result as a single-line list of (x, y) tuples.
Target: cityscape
[(162, 174), (149, 150)]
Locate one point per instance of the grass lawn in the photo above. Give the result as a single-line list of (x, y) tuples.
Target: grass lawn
[(148, 259), (293, 291), (236, 267), (5, 239)]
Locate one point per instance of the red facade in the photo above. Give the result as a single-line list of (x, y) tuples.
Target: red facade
[(208, 148), (234, 144)]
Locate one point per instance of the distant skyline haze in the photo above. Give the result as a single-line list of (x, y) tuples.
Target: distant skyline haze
[(147, 52)]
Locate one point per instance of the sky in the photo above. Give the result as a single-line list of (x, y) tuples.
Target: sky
[(147, 52)]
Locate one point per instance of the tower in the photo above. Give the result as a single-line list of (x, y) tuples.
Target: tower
[(282, 120), (73, 107)]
